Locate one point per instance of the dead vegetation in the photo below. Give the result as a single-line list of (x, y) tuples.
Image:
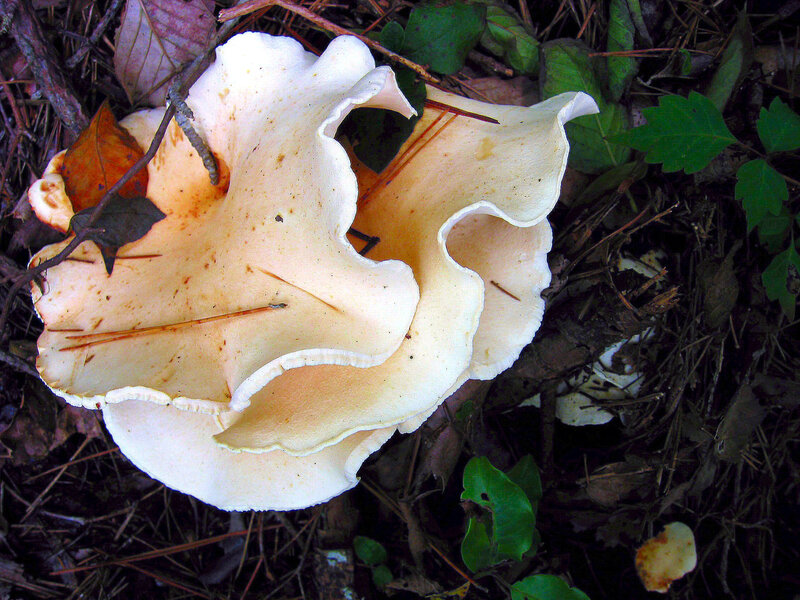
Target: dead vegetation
[(710, 438)]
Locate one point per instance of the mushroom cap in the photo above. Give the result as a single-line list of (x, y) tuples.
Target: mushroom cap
[(48, 196), (190, 309), (177, 448), (467, 210), (242, 351), (666, 557)]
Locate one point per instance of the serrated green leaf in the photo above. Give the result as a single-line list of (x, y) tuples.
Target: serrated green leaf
[(370, 551), (526, 475), (508, 37), (682, 133), (440, 36), (773, 229), (545, 587), (376, 134), (567, 66), (734, 64), (392, 37), (512, 515), (476, 549), (381, 576), (781, 280), (779, 127), (761, 189), (124, 220), (621, 69)]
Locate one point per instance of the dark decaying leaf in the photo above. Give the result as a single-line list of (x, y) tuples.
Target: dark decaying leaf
[(720, 288), (102, 154), (30, 435), (43, 423), (377, 134), (155, 37), (614, 482), (124, 220), (734, 64), (519, 91), (740, 421)]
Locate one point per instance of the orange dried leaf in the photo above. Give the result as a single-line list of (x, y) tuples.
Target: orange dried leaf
[(102, 154)]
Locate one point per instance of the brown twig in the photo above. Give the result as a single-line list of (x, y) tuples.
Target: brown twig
[(253, 5)]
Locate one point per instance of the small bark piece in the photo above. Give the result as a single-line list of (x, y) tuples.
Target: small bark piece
[(49, 77)]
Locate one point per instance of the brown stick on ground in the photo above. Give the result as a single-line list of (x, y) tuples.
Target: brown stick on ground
[(25, 30)]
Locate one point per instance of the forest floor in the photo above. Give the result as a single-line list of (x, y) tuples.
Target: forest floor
[(703, 422)]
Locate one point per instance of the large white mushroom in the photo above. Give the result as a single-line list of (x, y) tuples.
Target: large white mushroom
[(242, 351)]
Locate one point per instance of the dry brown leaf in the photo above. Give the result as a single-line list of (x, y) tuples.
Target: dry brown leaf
[(613, 482), (156, 37), (720, 288), (519, 91), (102, 154), (744, 414)]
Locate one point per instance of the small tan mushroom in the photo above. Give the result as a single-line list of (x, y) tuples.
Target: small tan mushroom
[(242, 351), (666, 557)]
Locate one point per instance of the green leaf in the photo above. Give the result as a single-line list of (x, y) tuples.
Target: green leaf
[(761, 189), (123, 220), (392, 37), (567, 66), (440, 36), (686, 63), (545, 587), (512, 514), (476, 549), (682, 133), (621, 69), (526, 475), (773, 229), (781, 280), (377, 134), (735, 62), (779, 127), (508, 37), (638, 20), (369, 551), (381, 576)]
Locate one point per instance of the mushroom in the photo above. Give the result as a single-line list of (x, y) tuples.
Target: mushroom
[(243, 351), (666, 557)]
